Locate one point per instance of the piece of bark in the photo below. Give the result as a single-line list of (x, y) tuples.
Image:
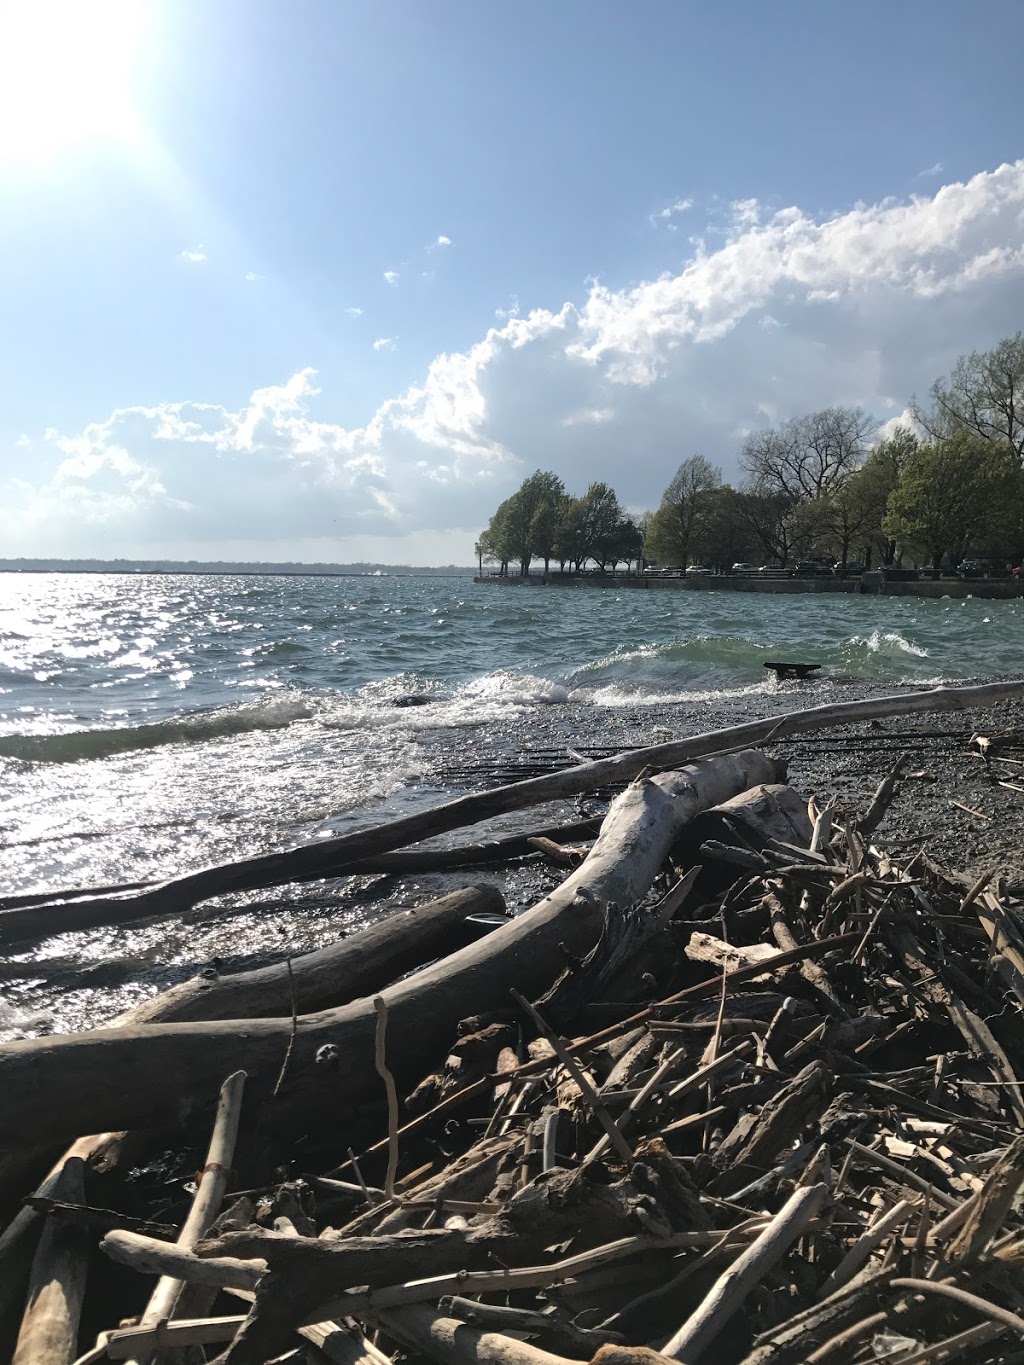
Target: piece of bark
[(800, 1102)]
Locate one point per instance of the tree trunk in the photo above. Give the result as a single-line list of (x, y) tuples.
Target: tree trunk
[(126, 1077)]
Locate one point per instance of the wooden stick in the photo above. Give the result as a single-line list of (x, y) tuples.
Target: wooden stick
[(131, 1342), (953, 1347), (380, 1061), (454, 1342), (206, 1204), (148, 1255), (857, 1256), (992, 1311), (637, 1103), (748, 1270), (56, 1288), (901, 1173)]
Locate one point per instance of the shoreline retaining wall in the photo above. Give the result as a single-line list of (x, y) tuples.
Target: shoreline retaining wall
[(871, 584)]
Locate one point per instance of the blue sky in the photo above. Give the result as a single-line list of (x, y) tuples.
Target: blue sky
[(326, 280)]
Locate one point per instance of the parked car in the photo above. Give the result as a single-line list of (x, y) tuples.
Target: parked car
[(744, 568), (700, 570), (972, 567), (812, 568), (896, 573), (852, 566)]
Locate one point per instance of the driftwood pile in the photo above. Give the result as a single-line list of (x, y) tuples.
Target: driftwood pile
[(745, 1088)]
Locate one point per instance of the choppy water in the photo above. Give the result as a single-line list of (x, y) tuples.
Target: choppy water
[(150, 724)]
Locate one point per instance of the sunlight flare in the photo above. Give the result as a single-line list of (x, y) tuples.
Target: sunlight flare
[(65, 73)]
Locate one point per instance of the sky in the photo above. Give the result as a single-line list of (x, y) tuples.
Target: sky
[(326, 280)]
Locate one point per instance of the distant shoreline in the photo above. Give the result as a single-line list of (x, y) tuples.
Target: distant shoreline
[(239, 570)]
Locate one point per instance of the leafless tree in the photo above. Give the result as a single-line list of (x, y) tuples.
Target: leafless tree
[(808, 456)]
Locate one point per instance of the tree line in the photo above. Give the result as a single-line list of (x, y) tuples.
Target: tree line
[(813, 487)]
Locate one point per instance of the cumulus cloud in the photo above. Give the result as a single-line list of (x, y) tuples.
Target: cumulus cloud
[(195, 255), (251, 275), (385, 343), (354, 312), (442, 240), (391, 276), (788, 313)]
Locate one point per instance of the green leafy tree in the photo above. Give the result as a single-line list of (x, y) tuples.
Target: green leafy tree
[(722, 537), (677, 519), (953, 494), (598, 518), (877, 479), (983, 396), (519, 530)]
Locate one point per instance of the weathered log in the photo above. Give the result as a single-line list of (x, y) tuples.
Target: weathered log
[(149, 1074), (49, 1329), (355, 966), (329, 857)]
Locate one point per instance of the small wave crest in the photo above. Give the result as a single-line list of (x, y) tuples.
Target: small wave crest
[(889, 642), (71, 746), (507, 688)]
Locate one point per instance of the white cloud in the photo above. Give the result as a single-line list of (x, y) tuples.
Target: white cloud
[(251, 275), (663, 217), (788, 313), (391, 276), (195, 256), (354, 312), (442, 240), (385, 343), (930, 171)]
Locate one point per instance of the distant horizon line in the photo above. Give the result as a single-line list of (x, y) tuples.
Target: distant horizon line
[(296, 568)]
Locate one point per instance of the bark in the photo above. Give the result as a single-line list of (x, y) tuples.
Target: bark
[(146, 1075)]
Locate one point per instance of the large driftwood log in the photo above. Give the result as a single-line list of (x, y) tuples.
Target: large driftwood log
[(330, 857), (151, 1074), (363, 963)]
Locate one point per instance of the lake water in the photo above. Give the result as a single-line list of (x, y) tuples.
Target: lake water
[(150, 724)]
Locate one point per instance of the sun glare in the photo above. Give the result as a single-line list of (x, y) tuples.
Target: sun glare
[(66, 73)]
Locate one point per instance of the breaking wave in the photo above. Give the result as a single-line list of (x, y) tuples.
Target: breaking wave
[(71, 746)]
